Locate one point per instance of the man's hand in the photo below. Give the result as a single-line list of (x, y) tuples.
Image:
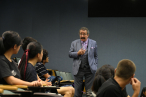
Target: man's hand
[(136, 86), (81, 51)]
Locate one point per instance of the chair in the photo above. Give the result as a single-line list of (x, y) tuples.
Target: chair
[(51, 72), (63, 75), (57, 73), (66, 80), (69, 76), (19, 89), (6, 93)]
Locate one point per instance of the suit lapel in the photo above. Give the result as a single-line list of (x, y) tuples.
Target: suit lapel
[(79, 46), (89, 45)]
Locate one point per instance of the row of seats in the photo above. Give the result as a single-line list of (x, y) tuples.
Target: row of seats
[(67, 77), (24, 91)]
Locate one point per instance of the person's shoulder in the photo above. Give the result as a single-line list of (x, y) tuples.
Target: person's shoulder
[(38, 64), (29, 65), (110, 90), (107, 85), (92, 40), (75, 41), (111, 87), (1, 56), (113, 91), (3, 59), (16, 64)]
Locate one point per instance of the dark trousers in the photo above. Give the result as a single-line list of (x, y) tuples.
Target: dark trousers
[(78, 81)]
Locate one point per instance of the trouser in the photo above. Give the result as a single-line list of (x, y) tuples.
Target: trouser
[(78, 81)]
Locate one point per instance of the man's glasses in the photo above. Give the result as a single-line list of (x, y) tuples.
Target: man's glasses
[(82, 34)]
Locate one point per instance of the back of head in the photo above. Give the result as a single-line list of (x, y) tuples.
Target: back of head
[(125, 69), (26, 41), (102, 74), (142, 92), (45, 54), (33, 48), (8, 40), (107, 71)]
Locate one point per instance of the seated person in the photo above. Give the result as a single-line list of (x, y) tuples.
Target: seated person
[(42, 71), (10, 43), (102, 74), (124, 74), (25, 42), (31, 56), (26, 66), (143, 92)]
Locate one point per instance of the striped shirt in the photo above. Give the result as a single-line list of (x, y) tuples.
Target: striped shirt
[(41, 70)]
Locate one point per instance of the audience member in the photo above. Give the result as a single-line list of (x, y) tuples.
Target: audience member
[(102, 74), (143, 92), (32, 57), (124, 74), (10, 43), (42, 71), (25, 42)]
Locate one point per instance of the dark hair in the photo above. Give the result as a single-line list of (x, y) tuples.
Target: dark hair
[(2, 50), (143, 90), (33, 48), (8, 40), (26, 41), (45, 54), (102, 74)]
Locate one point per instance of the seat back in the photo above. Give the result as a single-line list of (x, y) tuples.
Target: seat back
[(57, 73), (69, 76), (63, 75)]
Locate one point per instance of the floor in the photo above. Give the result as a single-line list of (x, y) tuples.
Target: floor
[(84, 95)]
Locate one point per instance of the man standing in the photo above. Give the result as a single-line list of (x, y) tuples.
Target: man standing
[(84, 54)]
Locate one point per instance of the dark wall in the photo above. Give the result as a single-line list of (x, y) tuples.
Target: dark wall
[(55, 24)]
